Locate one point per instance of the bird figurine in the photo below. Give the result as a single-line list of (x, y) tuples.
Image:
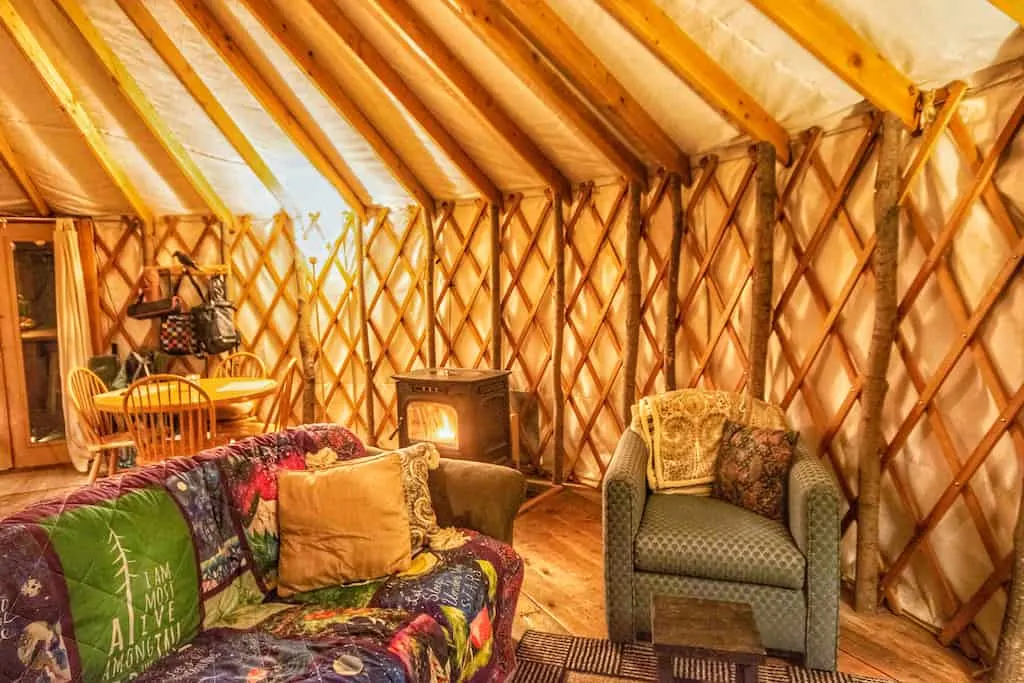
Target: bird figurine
[(186, 260)]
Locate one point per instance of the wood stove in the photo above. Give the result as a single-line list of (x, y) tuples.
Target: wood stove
[(465, 413)]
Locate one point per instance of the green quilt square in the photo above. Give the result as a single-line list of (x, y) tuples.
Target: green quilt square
[(132, 581)]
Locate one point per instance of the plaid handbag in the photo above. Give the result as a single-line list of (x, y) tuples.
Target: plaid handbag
[(177, 333), (177, 336)]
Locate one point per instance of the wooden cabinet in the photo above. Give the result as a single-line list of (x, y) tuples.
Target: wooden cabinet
[(31, 410)]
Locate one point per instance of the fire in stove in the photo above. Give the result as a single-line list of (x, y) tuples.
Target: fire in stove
[(433, 422)]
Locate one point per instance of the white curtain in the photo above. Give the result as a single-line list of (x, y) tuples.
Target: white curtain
[(73, 336)]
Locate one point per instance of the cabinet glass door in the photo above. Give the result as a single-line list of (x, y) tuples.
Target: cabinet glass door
[(31, 359)]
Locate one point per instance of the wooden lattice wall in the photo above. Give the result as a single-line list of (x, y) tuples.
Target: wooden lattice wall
[(953, 420)]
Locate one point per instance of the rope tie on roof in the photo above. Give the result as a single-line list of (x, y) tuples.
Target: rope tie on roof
[(926, 110)]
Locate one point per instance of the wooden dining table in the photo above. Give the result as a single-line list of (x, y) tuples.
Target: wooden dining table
[(223, 391)]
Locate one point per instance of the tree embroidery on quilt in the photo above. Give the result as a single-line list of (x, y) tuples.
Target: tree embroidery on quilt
[(152, 633)]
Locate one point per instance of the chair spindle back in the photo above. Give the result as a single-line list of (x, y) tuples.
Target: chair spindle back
[(279, 414), (83, 385), (169, 416), (241, 364)]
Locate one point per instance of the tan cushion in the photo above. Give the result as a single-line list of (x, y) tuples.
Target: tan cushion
[(417, 461), (342, 524), (682, 430)]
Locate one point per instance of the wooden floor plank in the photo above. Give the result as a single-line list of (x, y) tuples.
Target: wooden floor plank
[(899, 648), (849, 664), (562, 568), (532, 617), (19, 488)]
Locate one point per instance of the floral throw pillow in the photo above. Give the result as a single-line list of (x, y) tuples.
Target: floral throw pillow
[(753, 465), (417, 461)]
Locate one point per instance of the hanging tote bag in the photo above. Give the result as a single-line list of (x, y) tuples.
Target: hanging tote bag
[(177, 336), (150, 304), (146, 310), (214, 319)]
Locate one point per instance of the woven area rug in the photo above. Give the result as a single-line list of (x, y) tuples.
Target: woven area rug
[(551, 658)]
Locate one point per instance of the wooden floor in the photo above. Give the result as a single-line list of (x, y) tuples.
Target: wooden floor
[(560, 539), (21, 487)]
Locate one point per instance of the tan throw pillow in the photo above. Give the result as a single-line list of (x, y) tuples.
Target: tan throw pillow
[(417, 461), (342, 524)]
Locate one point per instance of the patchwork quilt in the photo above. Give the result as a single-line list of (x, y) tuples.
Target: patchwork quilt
[(169, 573)]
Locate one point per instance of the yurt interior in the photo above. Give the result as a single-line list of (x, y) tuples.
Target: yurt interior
[(512, 340)]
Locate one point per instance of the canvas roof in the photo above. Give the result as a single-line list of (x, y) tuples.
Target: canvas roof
[(931, 41)]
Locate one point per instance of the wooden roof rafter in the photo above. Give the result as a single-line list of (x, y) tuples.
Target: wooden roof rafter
[(404, 21), (578, 65), (281, 30), (128, 87), (663, 37), (165, 47), (488, 22), (10, 159), (390, 79), (823, 32), (337, 174), (58, 85)]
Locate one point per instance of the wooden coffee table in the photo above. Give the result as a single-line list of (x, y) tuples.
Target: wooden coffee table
[(705, 629)]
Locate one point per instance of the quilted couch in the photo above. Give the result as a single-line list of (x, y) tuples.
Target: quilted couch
[(678, 544), (168, 574)]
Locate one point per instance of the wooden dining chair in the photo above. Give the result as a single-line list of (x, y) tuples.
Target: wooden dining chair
[(279, 413), (241, 364), (101, 431), (169, 416)]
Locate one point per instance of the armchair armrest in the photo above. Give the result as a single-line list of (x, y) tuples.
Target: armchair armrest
[(814, 523), (623, 497), (478, 496)]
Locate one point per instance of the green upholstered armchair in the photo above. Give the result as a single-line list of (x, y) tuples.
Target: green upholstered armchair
[(702, 547)]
